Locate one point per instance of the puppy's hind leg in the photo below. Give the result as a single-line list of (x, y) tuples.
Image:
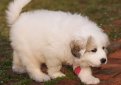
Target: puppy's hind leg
[(33, 69), (17, 64), (54, 67)]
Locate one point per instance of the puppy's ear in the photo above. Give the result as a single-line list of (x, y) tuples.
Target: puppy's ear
[(90, 44), (75, 48)]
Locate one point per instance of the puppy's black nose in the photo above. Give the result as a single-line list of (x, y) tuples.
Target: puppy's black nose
[(103, 60)]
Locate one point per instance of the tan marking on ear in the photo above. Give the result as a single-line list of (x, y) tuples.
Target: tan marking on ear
[(75, 48)]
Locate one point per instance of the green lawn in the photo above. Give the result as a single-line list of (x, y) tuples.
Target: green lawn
[(106, 13)]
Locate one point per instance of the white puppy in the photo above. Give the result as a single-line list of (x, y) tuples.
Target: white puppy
[(54, 38)]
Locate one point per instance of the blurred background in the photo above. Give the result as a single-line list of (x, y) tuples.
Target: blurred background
[(106, 13)]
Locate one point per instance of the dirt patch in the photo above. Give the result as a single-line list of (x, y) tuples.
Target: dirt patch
[(69, 82), (117, 22), (114, 46)]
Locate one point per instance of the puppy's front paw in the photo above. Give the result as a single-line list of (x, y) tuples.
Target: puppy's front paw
[(56, 75), (90, 80)]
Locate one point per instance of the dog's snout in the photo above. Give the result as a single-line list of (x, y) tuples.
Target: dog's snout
[(103, 60)]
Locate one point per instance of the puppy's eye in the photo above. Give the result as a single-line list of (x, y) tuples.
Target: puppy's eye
[(103, 47), (94, 50)]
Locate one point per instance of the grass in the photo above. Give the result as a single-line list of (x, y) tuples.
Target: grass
[(106, 13)]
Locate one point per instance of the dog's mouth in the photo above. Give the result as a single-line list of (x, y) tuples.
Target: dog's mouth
[(94, 65), (88, 63)]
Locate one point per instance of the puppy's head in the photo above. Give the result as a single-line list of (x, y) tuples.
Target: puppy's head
[(92, 54)]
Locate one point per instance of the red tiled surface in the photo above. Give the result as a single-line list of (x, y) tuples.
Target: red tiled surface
[(110, 74)]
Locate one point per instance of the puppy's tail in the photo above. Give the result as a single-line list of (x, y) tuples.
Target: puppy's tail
[(14, 10)]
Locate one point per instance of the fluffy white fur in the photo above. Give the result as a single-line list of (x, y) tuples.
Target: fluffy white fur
[(44, 36)]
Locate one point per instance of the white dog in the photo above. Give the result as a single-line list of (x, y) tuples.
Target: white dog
[(54, 38)]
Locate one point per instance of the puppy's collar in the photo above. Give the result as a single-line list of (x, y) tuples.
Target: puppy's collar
[(77, 70)]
